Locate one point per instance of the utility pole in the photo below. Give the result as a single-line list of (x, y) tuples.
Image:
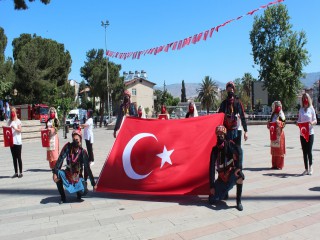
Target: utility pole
[(105, 25)]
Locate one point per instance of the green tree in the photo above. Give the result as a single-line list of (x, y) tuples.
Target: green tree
[(21, 4), (41, 67), (207, 93), (280, 53), (94, 72), (6, 68), (183, 93)]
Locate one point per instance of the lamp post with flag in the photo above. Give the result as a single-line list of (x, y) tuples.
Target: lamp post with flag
[(105, 25)]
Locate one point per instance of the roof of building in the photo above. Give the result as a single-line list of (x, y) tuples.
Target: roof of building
[(126, 83)]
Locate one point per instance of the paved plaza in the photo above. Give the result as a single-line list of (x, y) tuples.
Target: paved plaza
[(278, 204)]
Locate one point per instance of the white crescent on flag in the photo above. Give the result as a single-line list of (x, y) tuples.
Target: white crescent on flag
[(126, 156)]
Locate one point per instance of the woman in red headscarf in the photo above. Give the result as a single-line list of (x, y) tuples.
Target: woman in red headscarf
[(277, 143), (53, 126)]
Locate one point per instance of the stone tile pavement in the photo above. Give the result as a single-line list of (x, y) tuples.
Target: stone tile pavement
[(278, 204)]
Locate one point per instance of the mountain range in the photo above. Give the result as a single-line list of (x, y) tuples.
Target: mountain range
[(191, 88)]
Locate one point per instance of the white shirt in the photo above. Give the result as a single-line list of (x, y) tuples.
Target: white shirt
[(307, 116), (15, 134), (88, 133)]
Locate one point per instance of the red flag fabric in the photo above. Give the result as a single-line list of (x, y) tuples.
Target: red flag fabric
[(304, 130), (45, 138), (163, 116), (7, 136), (158, 157), (273, 131)]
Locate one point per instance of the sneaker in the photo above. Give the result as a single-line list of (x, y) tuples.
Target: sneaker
[(15, 175), (91, 164), (20, 175), (310, 170), (305, 172)]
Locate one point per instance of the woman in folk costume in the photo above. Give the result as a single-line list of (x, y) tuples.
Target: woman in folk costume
[(77, 160), (278, 146), (53, 125), (192, 110), (307, 114), (126, 109), (141, 112)]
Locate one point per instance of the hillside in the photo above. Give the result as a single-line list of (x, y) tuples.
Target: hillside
[(191, 88)]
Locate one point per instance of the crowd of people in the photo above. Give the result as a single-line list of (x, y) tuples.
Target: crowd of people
[(226, 157)]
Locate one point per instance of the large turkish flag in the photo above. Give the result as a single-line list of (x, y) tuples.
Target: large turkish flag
[(161, 157), (7, 136)]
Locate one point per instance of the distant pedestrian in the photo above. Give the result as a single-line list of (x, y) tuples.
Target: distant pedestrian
[(7, 110), (95, 121), (1, 110), (278, 143), (141, 112), (53, 125), (15, 124), (307, 114)]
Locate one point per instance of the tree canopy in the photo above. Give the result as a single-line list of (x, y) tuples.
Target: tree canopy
[(280, 53), (207, 93), (41, 66), (21, 4)]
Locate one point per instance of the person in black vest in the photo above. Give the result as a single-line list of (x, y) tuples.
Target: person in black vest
[(233, 110), (226, 159)]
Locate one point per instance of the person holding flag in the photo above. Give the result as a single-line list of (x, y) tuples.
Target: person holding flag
[(15, 124), (277, 137), (306, 119), (53, 125), (226, 159)]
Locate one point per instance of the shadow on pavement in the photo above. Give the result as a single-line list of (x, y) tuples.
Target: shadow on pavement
[(70, 199), (5, 177), (315, 189), (256, 169), (282, 175), (38, 170)]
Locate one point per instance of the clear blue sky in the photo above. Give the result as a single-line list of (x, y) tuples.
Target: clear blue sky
[(143, 24)]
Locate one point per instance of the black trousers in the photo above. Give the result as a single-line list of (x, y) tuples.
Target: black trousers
[(16, 157), (307, 150), (91, 159)]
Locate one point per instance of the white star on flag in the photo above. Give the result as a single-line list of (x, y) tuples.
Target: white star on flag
[(165, 156)]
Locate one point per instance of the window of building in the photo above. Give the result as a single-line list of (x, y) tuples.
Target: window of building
[(134, 92)]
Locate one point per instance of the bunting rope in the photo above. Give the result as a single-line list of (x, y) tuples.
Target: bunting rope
[(177, 45)]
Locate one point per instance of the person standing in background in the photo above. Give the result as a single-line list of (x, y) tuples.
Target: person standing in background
[(307, 114), (88, 136), (192, 110), (15, 124), (53, 125)]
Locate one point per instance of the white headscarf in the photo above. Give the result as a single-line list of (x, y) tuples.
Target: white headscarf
[(143, 111)]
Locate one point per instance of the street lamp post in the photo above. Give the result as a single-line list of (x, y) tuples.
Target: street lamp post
[(105, 25)]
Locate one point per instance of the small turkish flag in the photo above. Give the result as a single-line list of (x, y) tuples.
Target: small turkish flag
[(45, 138), (273, 131), (7, 136), (304, 130), (157, 157)]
